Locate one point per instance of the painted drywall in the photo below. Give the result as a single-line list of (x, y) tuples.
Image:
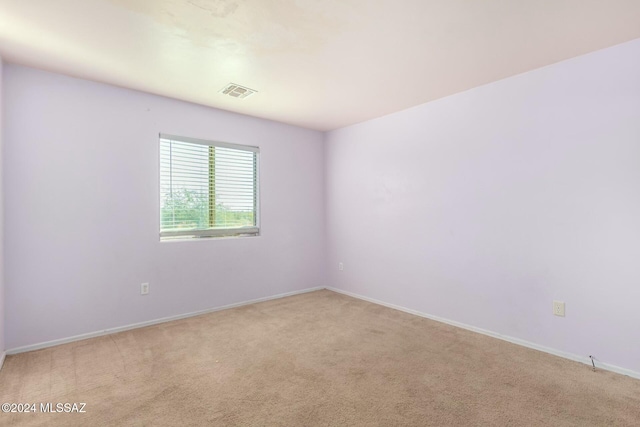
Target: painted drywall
[(2, 303), (81, 167), (484, 207)]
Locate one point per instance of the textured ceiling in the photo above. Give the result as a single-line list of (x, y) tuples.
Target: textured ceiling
[(317, 64)]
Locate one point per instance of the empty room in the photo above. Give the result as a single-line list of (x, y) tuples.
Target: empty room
[(319, 213)]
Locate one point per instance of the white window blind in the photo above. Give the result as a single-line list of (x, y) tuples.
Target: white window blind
[(207, 189)]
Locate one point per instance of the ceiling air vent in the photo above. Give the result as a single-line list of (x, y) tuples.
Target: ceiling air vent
[(237, 91)]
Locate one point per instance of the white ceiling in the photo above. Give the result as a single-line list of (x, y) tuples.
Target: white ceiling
[(319, 64)]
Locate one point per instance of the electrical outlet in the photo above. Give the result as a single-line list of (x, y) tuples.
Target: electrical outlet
[(144, 289), (558, 308), (340, 266)]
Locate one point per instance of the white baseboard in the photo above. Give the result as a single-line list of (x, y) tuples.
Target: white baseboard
[(2, 356), (555, 352), (150, 322)]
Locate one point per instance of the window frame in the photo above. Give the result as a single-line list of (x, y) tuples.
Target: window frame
[(196, 234)]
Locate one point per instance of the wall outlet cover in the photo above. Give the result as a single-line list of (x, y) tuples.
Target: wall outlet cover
[(558, 308)]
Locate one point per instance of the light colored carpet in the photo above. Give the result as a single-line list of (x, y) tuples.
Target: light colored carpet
[(314, 359)]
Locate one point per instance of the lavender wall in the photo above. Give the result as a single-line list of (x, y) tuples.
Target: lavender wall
[(485, 206), (2, 303), (81, 164)]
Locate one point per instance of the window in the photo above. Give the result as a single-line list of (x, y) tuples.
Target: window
[(207, 189)]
